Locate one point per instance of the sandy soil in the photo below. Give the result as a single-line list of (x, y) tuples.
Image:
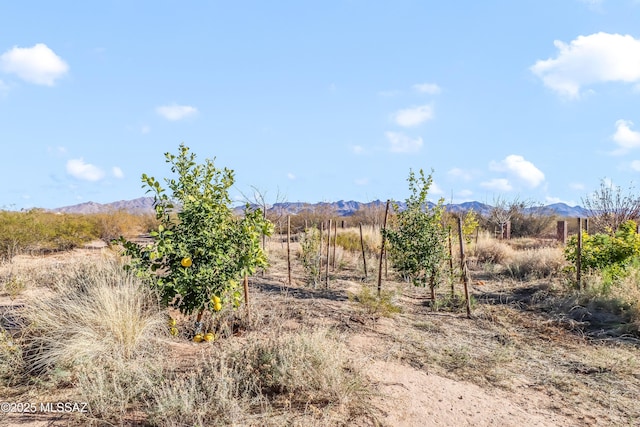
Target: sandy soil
[(406, 394)]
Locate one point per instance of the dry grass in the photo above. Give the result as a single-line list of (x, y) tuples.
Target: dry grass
[(99, 313), (490, 250), (535, 263)]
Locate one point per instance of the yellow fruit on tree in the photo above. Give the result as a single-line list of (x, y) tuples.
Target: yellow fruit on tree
[(217, 306), (209, 336), (198, 338), (172, 322), (174, 331), (186, 262), (215, 299)]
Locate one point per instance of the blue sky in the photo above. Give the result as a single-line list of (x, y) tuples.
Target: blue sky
[(320, 100)]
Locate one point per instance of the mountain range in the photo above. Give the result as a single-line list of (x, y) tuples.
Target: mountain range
[(341, 208)]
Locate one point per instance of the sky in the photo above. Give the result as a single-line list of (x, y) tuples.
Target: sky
[(320, 101)]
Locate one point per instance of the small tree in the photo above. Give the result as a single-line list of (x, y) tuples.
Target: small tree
[(502, 212), (200, 250), (417, 237), (609, 207)]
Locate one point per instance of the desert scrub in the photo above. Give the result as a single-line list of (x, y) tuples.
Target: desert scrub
[(535, 263), (492, 251), (10, 359), (261, 379), (375, 305), (349, 239)]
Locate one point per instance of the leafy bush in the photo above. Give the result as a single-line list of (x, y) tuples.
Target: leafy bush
[(201, 253), (602, 250), (310, 254), (417, 237)]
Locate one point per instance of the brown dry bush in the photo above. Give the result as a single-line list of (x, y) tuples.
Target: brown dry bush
[(490, 250), (535, 263)]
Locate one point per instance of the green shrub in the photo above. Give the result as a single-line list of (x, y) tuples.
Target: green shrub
[(600, 251), (310, 254), (417, 237), (200, 253)]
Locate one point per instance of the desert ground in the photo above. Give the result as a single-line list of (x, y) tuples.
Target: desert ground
[(526, 357)]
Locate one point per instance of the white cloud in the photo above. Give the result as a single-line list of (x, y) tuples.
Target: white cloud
[(435, 189), (465, 193), (3, 87), (635, 165), (460, 173), (117, 172), (401, 143), (596, 58), (413, 116), (176, 112), (497, 184), (145, 129), (625, 138), (291, 176), (362, 181), (551, 200), (357, 149), (38, 64), (521, 168), (430, 88), (84, 171)]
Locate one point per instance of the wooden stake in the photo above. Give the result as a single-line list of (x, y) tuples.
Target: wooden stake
[(465, 270), (326, 278), (320, 251), (335, 242), (246, 295), (384, 227), (451, 264), (289, 247), (364, 257), (579, 255)]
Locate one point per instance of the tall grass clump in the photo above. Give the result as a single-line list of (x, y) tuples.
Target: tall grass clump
[(535, 263), (492, 251), (98, 314), (349, 239)]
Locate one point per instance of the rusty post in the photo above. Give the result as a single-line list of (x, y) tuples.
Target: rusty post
[(289, 247), (465, 270), (364, 257), (384, 227)]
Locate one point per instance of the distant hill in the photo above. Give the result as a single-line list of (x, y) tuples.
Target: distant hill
[(341, 208), (137, 206)]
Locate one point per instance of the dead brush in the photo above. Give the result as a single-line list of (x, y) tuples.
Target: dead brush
[(493, 251), (535, 263)]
